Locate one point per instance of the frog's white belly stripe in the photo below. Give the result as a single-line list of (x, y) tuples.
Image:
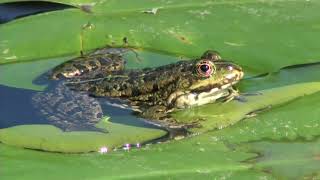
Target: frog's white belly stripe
[(193, 99)]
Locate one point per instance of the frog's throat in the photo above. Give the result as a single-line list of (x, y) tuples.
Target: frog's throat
[(185, 99)]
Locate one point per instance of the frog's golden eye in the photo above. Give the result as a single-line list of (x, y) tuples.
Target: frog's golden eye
[(205, 68)]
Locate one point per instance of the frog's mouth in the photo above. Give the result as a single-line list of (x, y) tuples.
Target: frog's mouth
[(207, 94)]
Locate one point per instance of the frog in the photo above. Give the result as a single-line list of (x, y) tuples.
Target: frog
[(152, 93)]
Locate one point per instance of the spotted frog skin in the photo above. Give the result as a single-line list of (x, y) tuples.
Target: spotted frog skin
[(152, 92)]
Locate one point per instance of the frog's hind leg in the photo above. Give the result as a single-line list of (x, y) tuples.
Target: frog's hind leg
[(69, 110)]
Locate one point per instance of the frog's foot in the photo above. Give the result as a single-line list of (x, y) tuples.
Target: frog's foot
[(177, 133), (258, 111), (251, 94), (137, 59), (233, 94), (241, 97)]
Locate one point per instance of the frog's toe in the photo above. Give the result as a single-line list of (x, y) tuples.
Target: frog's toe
[(178, 133), (252, 94), (241, 98)]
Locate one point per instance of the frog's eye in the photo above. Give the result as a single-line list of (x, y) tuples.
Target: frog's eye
[(205, 68)]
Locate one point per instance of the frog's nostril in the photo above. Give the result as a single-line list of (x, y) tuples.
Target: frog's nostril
[(241, 74)]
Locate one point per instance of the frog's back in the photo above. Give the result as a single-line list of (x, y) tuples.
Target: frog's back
[(96, 64)]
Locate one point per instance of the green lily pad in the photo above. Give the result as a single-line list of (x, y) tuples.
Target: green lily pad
[(19, 75), (287, 160), (168, 160), (292, 120), (234, 28), (50, 138)]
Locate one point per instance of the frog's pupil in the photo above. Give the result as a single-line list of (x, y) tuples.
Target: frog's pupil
[(204, 67)]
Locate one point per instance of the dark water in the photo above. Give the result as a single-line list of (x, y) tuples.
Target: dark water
[(16, 107), (15, 10)]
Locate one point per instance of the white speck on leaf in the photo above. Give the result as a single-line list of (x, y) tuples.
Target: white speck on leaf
[(6, 51), (200, 13), (234, 44), (153, 11), (103, 150), (11, 57)]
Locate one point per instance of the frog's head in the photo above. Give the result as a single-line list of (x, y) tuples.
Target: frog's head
[(211, 79)]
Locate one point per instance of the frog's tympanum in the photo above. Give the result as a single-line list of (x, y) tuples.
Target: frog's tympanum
[(152, 92)]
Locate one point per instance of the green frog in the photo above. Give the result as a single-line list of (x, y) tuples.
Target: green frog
[(151, 92)]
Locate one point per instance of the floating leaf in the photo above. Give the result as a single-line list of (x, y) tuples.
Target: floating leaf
[(258, 35), (50, 138), (287, 160)]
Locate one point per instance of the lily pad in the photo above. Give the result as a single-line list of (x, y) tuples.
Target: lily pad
[(234, 28), (284, 159), (283, 122), (168, 160), (50, 138)]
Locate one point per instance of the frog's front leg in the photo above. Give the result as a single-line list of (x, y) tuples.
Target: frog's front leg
[(233, 94)]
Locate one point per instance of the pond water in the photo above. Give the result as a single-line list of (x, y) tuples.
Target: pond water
[(14, 10)]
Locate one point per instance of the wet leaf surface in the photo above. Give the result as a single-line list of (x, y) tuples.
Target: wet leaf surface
[(236, 29), (287, 159), (261, 36)]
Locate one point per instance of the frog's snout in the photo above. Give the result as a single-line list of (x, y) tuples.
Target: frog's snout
[(235, 73), (239, 75)]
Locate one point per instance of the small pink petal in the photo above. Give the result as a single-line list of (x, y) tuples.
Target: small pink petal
[(126, 147), (103, 150)]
